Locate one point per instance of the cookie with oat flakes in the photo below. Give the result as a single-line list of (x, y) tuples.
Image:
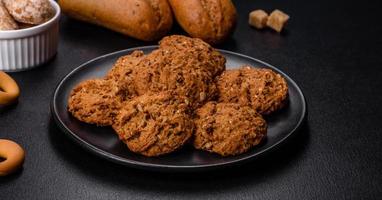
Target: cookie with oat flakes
[(263, 89), (154, 124), (96, 101), (228, 128), (184, 65)]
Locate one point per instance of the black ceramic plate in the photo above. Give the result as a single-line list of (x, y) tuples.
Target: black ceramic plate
[(104, 142)]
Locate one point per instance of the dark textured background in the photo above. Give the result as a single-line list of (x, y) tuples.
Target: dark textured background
[(332, 49)]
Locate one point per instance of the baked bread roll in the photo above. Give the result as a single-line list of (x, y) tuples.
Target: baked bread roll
[(210, 20), (142, 19)]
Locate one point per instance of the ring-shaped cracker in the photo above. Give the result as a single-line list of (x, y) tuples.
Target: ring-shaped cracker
[(9, 90), (13, 154)]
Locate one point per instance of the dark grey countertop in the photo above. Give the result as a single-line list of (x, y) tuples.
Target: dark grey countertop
[(332, 49)]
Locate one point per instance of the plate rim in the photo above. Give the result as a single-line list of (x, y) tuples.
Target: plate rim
[(143, 165)]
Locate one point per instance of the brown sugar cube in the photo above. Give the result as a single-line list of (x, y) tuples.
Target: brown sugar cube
[(258, 19), (277, 20)]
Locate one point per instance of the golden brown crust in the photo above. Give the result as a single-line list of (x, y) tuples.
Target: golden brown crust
[(262, 89), (211, 20), (228, 128), (142, 19), (154, 124), (164, 16)]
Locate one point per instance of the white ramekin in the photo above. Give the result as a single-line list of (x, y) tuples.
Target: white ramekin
[(27, 48)]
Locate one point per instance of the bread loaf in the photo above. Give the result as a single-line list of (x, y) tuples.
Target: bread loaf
[(142, 19), (211, 20), (6, 21)]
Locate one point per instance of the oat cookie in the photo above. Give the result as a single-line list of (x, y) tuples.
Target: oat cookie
[(30, 11), (262, 89), (6, 21), (124, 66), (96, 101), (184, 65), (122, 72), (154, 124), (228, 128), (206, 55)]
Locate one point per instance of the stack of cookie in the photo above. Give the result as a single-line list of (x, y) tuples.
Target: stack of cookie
[(178, 93)]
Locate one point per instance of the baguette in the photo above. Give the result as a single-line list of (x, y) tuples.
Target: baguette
[(210, 20), (141, 19)]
